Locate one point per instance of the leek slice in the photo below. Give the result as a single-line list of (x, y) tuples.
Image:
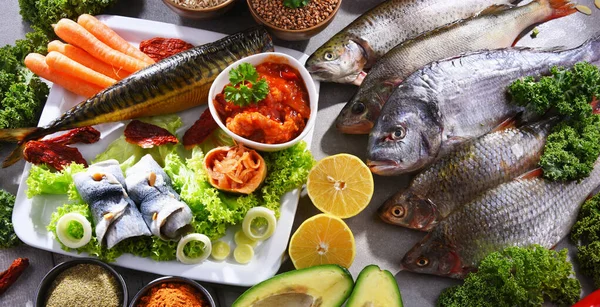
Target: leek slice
[(241, 238), (255, 213), (183, 258), (66, 238), (243, 253), (220, 250)]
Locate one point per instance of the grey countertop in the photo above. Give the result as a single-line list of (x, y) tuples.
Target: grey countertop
[(376, 242)]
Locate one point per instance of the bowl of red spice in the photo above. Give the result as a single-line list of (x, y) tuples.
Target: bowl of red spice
[(173, 291), (294, 20), (199, 9)]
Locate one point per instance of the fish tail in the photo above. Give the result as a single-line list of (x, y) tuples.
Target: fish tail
[(14, 156), (560, 8), (18, 135)]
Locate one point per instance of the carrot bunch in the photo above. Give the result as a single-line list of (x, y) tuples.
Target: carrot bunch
[(93, 58)]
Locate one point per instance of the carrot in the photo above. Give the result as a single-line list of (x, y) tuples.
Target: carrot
[(37, 64), (80, 56), (111, 38), (73, 33), (59, 62)]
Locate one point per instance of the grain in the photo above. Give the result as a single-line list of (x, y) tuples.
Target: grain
[(84, 285), (198, 4), (275, 13)]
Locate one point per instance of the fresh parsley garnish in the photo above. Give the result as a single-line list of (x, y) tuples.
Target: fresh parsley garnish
[(295, 3), (239, 93)]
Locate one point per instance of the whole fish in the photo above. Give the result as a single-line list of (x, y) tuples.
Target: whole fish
[(469, 170), (345, 57), (449, 102), (115, 216), (499, 26), (521, 212), (174, 84)]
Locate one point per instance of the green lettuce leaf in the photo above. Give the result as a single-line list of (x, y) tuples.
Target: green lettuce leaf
[(42, 180)]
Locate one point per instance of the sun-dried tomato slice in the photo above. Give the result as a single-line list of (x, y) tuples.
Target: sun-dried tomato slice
[(200, 130), (147, 135), (159, 48), (85, 135), (55, 155)]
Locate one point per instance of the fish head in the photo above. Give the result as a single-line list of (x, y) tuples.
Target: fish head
[(410, 210), (360, 113), (434, 255), (340, 60), (405, 138)]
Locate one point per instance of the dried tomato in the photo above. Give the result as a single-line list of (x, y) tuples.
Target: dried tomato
[(147, 135), (10, 276), (85, 135), (159, 48), (200, 130), (55, 155)]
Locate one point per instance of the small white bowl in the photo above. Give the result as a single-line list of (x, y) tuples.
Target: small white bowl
[(223, 79)]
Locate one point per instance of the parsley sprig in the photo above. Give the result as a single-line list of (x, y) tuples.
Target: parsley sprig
[(239, 93), (294, 4)]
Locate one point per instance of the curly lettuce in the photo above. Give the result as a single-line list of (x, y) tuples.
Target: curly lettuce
[(42, 180)]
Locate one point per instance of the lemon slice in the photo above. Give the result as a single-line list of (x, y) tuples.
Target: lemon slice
[(341, 185), (243, 253), (220, 250), (322, 239), (241, 238)]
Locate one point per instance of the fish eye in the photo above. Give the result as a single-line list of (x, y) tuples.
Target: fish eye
[(398, 211), (422, 261), (328, 56), (358, 108), (399, 133)]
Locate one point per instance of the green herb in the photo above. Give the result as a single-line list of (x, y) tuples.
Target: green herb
[(517, 276), (194, 249), (8, 238), (573, 146), (295, 3), (586, 235), (535, 32), (245, 87)]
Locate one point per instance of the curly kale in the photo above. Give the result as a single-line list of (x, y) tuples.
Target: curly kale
[(586, 234), (572, 146), (8, 238), (517, 276), (44, 13)]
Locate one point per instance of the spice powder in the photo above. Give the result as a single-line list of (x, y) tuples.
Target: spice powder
[(84, 285), (172, 295)]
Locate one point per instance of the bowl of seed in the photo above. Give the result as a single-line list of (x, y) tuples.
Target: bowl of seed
[(199, 9), (82, 282), (294, 20)]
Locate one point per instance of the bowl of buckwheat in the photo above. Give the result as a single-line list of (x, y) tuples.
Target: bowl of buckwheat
[(294, 20), (199, 9)]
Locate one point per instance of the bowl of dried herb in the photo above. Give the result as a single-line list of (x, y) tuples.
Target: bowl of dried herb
[(82, 282)]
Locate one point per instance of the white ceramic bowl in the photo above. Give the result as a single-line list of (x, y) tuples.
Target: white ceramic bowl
[(223, 79)]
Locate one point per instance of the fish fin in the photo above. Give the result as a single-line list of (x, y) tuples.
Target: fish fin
[(15, 155), (495, 9), (16, 135), (536, 173), (392, 82), (508, 123), (560, 8), (359, 78)]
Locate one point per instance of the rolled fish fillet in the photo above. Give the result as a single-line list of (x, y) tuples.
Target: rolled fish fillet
[(115, 215), (150, 187)]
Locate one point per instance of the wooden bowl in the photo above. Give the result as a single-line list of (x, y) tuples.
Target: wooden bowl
[(294, 35), (204, 13)]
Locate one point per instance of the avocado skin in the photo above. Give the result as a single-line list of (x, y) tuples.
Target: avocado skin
[(365, 289), (312, 277)]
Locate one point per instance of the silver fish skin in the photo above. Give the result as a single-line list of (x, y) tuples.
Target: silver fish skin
[(345, 57), (165, 214), (465, 173), (452, 101), (521, 212), (499, 26), (115, 216)]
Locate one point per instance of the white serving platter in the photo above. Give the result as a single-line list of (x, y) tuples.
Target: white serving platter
[(31, 216)]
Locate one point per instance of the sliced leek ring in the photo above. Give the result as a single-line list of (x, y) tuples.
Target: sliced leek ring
[(241, 238), (243, 253), (62, 230), (189, 238), (220, 250), (258, 212)]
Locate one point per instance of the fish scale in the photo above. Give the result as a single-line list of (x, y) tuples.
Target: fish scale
[(521, 212)]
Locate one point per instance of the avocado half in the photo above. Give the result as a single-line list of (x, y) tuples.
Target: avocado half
[(375, 288), (326, 285)]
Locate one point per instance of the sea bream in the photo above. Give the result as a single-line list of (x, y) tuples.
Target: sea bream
[(452, 101), (174, 84), (472, 168), (151, 188), (499, 26), (347, 55), (521, 212), (115, 216)]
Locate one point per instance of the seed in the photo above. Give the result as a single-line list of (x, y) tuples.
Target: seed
[(154, 216), (151, 179), (275, 13), (584, 9), (109, 216), (97, 176), (597, 2)]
